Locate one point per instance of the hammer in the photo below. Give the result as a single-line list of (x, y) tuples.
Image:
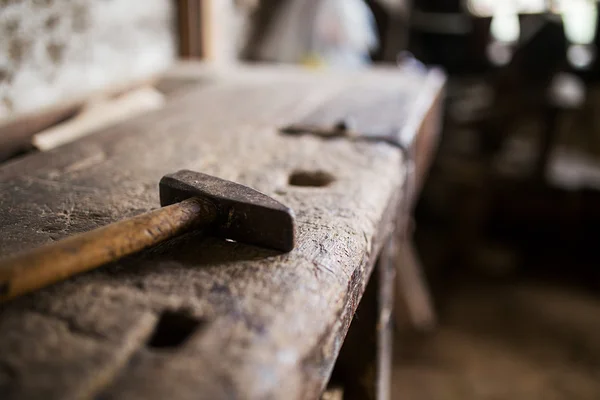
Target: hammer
[(190, 200)]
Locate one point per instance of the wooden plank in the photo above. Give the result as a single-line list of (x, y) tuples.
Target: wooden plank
[(206, 29), (16, 133), (184, 28), (17, 130), (199, 317), (100, 114)]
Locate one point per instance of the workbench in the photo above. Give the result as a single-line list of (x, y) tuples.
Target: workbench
[(204, 318)]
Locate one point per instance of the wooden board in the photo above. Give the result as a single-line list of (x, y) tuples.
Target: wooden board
[(199, 317)]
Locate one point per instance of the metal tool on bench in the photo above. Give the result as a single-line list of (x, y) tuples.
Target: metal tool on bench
[(190, 200), (344, 129)]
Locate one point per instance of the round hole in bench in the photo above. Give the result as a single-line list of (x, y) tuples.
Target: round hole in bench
[(310, 178)]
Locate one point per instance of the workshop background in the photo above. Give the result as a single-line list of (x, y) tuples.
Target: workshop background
[(508, 222)]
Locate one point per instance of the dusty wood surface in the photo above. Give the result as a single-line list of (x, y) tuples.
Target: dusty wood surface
[(200, 317)]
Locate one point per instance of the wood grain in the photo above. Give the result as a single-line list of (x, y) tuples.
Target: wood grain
[(270, 325), (56, 261)]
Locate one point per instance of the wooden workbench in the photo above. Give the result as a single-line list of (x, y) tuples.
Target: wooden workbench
[(198, 317)]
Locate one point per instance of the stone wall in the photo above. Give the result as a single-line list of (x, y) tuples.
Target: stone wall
[(54, 50)]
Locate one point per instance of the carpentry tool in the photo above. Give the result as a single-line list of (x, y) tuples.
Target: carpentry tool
[(190, 200)]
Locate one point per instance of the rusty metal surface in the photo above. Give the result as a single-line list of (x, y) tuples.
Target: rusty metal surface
[(367, 115), (366, 111), (243, 214)]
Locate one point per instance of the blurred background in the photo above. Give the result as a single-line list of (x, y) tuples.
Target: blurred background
[(508, 223)]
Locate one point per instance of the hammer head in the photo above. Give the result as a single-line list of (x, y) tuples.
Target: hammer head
[(243, 214)]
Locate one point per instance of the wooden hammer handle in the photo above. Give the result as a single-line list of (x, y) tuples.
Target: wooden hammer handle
[(57, 261)]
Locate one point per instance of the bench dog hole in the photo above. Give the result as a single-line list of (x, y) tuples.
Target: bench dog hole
[(310, 178), (173, 329)]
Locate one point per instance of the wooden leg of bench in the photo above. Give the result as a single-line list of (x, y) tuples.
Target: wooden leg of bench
[(364, 366), (413, 294)]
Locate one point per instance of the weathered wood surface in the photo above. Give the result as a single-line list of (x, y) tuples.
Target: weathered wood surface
[(267, 325)]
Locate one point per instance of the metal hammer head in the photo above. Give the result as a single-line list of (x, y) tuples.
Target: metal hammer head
[(243, 214)]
